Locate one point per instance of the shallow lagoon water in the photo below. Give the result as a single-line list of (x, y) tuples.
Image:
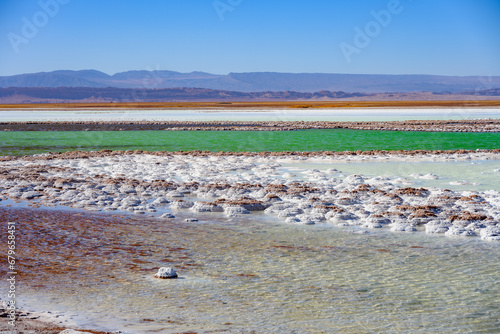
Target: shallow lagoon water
[(351, 114), (268, 277), (32, 142), (258, 274), (472, 175)]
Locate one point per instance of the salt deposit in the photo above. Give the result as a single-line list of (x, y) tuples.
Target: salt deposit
[(166, 272), (234, 185)]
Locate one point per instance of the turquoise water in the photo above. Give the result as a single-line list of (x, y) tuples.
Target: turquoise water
[(256, 274), (26, 143)]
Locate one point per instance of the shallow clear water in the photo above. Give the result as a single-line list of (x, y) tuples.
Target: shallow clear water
[(32, 142), (375, 114), (472, 175), (258, 274), (252, 274), (255, 273)]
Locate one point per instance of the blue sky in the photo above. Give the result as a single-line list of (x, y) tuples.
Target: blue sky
[(447, 37)]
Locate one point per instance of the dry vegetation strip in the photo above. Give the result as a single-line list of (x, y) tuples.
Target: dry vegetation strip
[(254, 105)]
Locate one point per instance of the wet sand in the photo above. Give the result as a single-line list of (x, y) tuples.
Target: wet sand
[(482, 125), (28, 322), (32, 267)]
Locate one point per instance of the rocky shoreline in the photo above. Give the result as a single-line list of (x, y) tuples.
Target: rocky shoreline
[(482, 125), (238, 184), (343, 155)]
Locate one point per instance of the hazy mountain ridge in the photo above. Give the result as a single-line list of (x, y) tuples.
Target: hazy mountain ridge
[(16, 95), (254, 81), (111, 94)]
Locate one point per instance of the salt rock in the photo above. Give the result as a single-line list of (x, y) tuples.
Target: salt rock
[(125, 189), (251, 204), (206, 207), (491, 233), (174, 194), (104, 198), (180, 204), (14, 193), (403, 227), (436, 226), (313, 217), (305, 205), (346, 201), (292, 220), (62, 183), (333, 170), (271, 198), (459, 231), (376, 222), (354, 179), (167, 215), (290, 212), (184, 190), (166, 272), (278, 207), (476, 226), (131, 201), (341, 217), (30, 195), (89, 202), (235, 210), (72, 331), (372, 225)]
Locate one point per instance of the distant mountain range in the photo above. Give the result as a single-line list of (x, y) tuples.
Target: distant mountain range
[(254, 81), (15, 95), (111, 94)]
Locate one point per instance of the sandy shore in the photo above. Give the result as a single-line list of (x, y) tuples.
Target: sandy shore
[(487, 125)]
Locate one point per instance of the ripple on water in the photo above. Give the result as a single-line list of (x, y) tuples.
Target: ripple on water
[(254, 274)]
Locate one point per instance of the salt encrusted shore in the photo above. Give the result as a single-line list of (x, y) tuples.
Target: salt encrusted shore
[(480, 125), (39, 323), (241, 184), (395, 155)]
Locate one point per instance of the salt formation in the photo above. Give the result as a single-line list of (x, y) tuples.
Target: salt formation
[(166, 272), (234, 185)]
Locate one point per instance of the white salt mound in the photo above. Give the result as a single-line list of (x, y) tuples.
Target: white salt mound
[(166, 272)]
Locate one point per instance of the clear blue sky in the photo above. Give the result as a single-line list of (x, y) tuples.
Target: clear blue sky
[(448, 37)]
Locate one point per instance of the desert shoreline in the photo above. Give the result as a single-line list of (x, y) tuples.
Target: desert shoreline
[(242, 105)]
